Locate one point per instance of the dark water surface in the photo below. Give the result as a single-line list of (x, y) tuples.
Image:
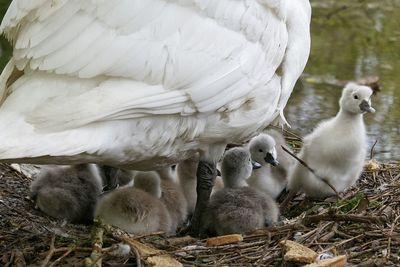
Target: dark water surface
[(351, 39)]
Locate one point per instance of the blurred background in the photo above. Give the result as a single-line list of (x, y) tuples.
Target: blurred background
[(351, 40)]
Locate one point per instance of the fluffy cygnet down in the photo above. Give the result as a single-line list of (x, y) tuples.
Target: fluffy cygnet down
[(173, 198), (67, 193), (137, 210), (238, 208), (336, 149), (186, 172), (266, 150)]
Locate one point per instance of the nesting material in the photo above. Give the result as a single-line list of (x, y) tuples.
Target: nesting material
[(339, 261), (224, 240), (294, 251), (372, 165)]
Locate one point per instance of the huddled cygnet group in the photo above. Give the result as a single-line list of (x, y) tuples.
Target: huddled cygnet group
[(252, 178)]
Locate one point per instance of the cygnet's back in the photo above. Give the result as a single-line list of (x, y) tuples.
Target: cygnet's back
[(238, 208), (336, 149), (173, 198), (68, 193), (137, 210), (266, 150)]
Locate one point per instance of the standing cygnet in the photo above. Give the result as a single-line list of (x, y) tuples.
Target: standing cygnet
[(68, 193), (186, 172), (239, 208), (265, 149), (173, 198), (336, 149), (137, 210)]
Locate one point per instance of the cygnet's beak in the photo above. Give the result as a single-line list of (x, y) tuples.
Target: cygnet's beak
[(255, 164), (219, 173), (366, 107), (271, 160)]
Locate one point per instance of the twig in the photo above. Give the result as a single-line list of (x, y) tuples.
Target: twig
[(312, 171), (51, 252), (97, 244), (371, 153), (57, 261), (390, 236), (343, 217), (137, 256)]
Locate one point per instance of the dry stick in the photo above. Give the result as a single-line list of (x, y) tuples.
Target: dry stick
[(390, 236), (371, 153), (343, 217), (51, 252), (97, 245), (57, 261), (312, 171)]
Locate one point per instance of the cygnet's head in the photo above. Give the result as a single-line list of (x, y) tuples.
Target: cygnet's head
[(236, 167), (356, 99), (262, 149), (149, 182)]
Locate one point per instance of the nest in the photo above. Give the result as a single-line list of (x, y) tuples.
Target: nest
[(363, 225)]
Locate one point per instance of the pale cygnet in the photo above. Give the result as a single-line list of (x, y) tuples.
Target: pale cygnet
[(336, 149), (239, 208), (136, 210), (173, 198), (266, 149), (67, 193), (186, 171)]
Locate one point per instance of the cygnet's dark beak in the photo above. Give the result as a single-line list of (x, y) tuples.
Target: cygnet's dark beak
[(366, 107), (219, 173), (255, 164), (271, 160)]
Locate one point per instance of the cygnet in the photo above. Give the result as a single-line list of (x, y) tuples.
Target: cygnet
[(266, 149), (67, 193), (137, 210), (336, 149), (239, 208), (173, 198)]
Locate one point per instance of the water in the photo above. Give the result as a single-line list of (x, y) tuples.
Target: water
[(351, 39)]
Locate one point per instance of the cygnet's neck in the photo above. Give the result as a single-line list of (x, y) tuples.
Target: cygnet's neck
[(234, 181), (346, 116)]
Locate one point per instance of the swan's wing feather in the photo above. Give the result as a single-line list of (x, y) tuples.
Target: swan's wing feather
[(199, 55)]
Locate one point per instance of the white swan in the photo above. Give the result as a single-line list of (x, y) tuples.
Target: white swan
[(336, 149), (67, 193), (144, 84), (266, 150), (137, 210), (238, 208)]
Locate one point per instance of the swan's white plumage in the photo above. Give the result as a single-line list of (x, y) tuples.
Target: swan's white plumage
[(112, 79)]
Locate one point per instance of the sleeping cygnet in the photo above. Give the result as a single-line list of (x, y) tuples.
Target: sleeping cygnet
[(239, 208), (136, 210), (336, 149), (173, 198), (67, 193), (266, 149)]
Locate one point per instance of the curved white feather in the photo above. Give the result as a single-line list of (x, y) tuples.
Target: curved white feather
[(207, 67)]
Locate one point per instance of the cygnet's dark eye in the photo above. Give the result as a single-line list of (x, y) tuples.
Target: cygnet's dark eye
[(260, 150), (355, 96)]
